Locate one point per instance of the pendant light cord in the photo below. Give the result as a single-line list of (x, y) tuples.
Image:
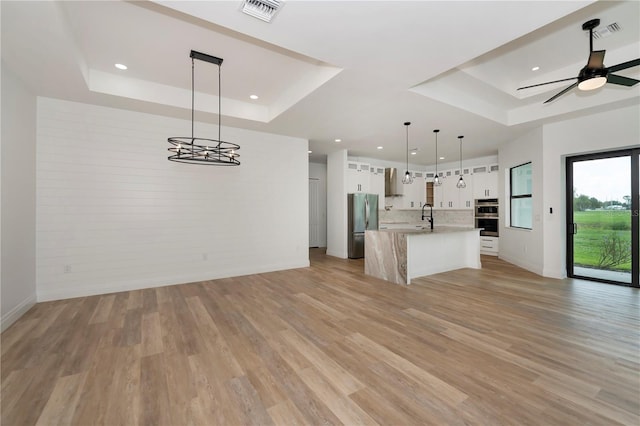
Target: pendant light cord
[(193, 101), (192, 97), (460, 156), (436, 155), (219, 109), (407, 127)]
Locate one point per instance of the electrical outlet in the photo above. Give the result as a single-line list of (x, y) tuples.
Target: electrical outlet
[(67, 269)]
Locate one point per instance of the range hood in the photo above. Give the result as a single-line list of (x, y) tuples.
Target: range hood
[(392, 183)]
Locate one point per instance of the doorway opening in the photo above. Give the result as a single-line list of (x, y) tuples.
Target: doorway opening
[(603, 196), (314, 212)]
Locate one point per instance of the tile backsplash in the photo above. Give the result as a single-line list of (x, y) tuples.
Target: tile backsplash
[(440, 217)]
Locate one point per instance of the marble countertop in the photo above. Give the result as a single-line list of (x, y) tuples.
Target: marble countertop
[(427, 230)]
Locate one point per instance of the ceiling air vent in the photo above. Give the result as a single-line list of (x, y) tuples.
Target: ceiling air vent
[(264, 10), (606, 31)]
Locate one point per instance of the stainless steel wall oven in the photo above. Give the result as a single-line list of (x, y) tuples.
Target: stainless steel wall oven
[(487, 216)]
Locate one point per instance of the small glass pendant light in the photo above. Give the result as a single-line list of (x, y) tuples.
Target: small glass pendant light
[(461, 183), (407, 179), (436, 179)]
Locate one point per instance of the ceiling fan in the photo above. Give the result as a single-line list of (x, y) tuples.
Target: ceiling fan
[(594, 74)]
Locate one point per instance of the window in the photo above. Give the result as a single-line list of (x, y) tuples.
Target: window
[(521, 203)]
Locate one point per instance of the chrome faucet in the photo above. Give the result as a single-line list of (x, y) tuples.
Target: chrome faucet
[(430, 218)]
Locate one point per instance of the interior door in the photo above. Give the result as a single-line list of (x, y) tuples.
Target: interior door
[(602, 217)]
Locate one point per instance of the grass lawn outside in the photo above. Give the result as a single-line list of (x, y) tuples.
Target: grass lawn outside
[(593, 228)]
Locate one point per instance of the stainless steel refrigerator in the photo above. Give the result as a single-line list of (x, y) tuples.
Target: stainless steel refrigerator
[(362, 211)]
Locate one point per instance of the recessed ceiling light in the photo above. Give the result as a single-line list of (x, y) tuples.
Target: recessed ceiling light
[(413, 153), (254, 97), (442, 158), (121, 66), (338, 140), (379, 147), (535, 68), (310, 151)]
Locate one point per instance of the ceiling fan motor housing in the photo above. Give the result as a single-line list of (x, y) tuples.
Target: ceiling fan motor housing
[(587, 73)]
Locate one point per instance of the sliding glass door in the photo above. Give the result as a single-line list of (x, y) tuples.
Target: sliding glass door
[(602, 217)]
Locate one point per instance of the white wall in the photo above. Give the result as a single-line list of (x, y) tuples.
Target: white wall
[(603, 131), (543, 249), (522, 247), (337, 204), (319, 171), (18, 200), (114, 214)]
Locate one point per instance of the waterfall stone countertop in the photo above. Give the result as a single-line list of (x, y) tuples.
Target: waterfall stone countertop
[(403, 253)]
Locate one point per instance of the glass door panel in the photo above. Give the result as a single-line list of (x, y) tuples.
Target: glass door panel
[(601, 240)]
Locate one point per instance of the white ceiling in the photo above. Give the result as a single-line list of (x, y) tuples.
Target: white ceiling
[(354, 70)]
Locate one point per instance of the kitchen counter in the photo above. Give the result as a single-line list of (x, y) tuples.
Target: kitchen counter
[(398, 255)]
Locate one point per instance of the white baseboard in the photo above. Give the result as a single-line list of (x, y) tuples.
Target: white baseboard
[(560, 275), (69, 293), (536, 269), (15, 313), (336, 254)]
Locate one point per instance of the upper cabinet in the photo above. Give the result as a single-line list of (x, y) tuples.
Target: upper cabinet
[(448, 195), (411, 196), (376, 184), (465, 195), (481, 182), (415, 193), (485, 181), (358, 177)]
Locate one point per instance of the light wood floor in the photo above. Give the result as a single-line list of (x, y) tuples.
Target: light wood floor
[(328, 345)]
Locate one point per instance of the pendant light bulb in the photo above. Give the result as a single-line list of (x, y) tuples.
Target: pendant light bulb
[(461, 183), (436, 179), (407, 179)]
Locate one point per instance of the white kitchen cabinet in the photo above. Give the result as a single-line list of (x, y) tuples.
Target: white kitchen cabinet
[(358, 177), (413, 193), (449, 196), (451, 192), (489, 245), (465, 195), (376, 184), (485, 181), (417, 193)]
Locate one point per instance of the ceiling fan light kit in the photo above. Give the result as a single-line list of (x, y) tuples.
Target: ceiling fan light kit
[(592, 83), (594, 75), (192, 150)]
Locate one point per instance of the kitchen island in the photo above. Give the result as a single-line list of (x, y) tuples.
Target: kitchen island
[(398, 255)]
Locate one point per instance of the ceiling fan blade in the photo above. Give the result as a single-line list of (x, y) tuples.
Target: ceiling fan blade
[(596, 59), (625, 65), (622, 81), (557, 95), (548, 82)]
